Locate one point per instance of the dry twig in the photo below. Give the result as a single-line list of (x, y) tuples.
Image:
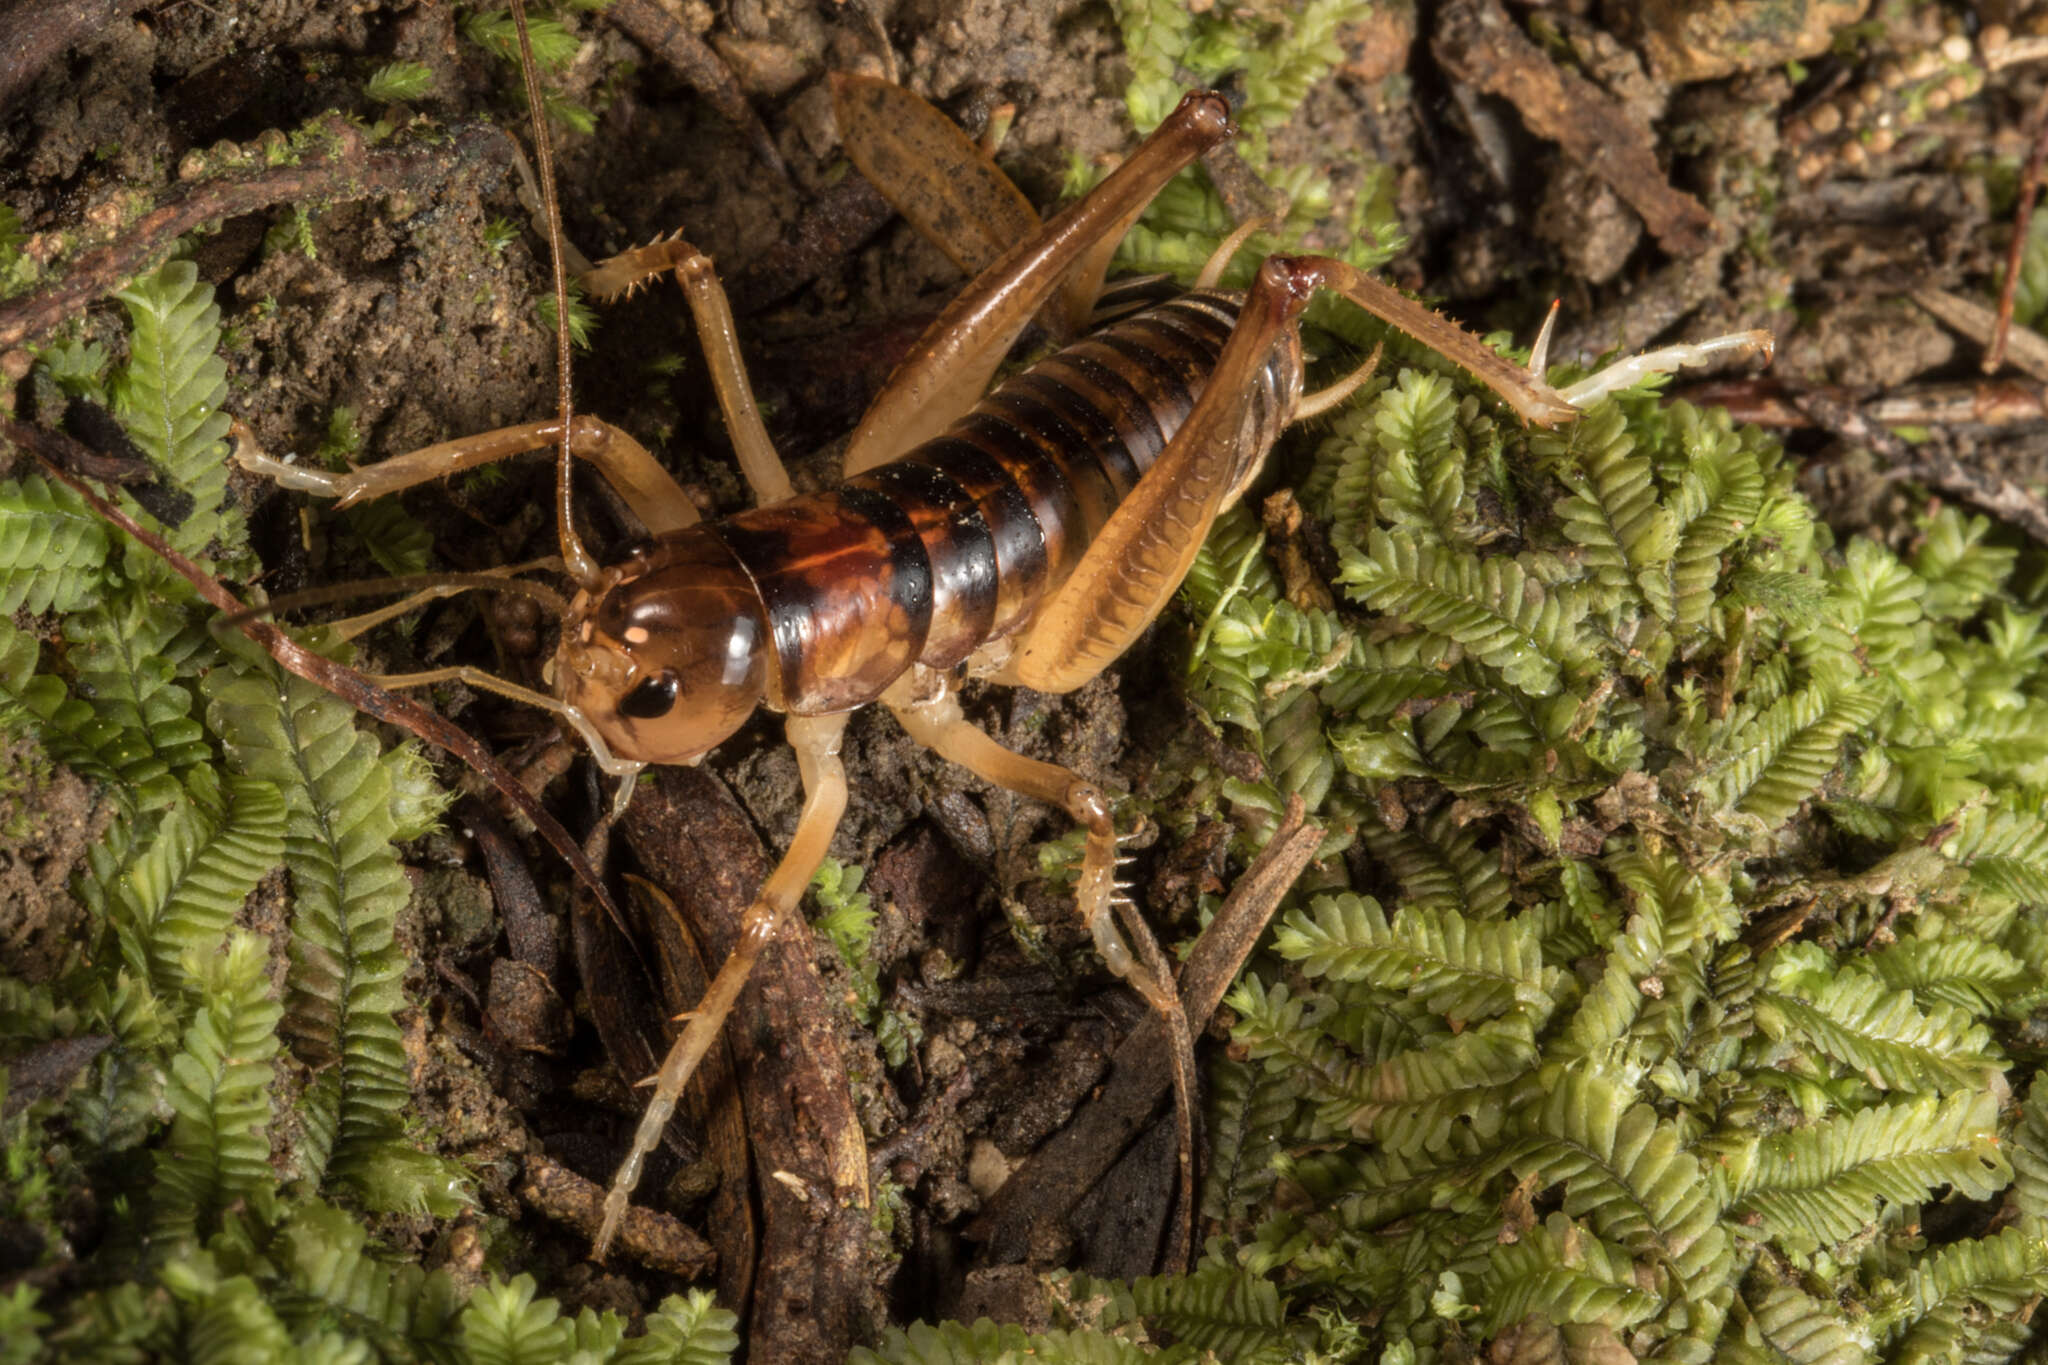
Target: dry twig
[(2026, 348), (1931, 465)]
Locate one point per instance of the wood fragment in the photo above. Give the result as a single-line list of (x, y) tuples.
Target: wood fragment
[(529, 931), (2018, 49), (818, 1276), (47, 1069), (653, 1238), (521, 1011), (1478, 42), (81, 459), (1246, 196), (711, 1104), (832, 226), (1932, 465), (1650, 307), (1045, 1190), (1766, 402), (2025, 348), (335, 167)]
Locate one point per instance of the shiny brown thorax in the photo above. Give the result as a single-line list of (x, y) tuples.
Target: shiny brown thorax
[(927, 558)]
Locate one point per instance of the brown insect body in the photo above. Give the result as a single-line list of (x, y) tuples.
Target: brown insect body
[(817, 604)]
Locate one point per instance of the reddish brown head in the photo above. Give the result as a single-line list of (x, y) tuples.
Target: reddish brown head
[(668, 656)]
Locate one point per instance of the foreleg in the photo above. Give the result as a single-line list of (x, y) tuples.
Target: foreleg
[(816, 741)]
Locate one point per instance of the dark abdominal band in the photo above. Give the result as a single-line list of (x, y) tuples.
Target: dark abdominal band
[(926, 558)]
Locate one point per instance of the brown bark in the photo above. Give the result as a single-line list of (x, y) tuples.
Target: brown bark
[(816, 1281)]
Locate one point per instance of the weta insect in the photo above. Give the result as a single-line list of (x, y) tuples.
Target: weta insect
[(1027, 537)]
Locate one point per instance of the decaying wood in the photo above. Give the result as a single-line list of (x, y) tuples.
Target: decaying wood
[(529, 930), (712, 1103), (47, 1069), (1932, 465), (1767, 402), (650, 1237), (817, 1277), (127, 468), (1642, 313), (834, 224)]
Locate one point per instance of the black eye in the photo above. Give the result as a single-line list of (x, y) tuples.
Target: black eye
[(652, 699)]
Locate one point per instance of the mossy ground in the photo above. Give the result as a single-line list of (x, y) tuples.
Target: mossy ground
[(413, 316)]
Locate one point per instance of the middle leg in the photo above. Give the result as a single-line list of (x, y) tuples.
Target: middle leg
[(712, 313), (650, 491)]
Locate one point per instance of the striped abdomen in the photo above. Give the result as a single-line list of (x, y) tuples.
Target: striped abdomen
[(926, 558)]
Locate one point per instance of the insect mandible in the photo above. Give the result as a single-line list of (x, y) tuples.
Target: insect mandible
[(1026, 537)]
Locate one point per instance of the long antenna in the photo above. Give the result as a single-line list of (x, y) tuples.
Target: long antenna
[(575, 558)]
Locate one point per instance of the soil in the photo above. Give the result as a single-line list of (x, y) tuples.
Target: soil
[(413, 314)]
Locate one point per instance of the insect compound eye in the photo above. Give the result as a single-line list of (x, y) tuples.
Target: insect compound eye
[(654, 698)]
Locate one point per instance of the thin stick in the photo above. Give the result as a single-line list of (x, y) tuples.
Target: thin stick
[(1930, 465), (2022, 223)]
